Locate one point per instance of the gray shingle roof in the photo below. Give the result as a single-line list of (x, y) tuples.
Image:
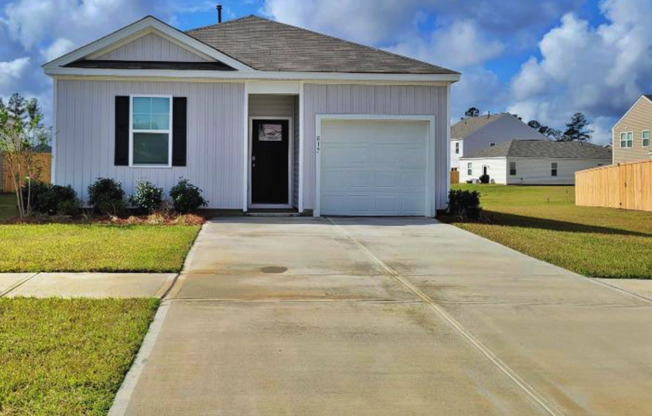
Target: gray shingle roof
[(544, 149), (469, 125), (267, 45)]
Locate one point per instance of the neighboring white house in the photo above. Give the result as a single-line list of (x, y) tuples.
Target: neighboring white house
[(258, 114), (475, 133), (533, 162)]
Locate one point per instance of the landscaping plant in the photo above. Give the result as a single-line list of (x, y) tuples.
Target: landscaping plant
[(107, 197), (46, 198), (186, 197), (464, 204), (147, 197), (21, 135)]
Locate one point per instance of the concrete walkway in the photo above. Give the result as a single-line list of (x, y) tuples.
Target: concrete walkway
[(89, 285), (386, 317)]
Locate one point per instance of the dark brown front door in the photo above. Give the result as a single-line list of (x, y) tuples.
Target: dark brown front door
[(269, 161)]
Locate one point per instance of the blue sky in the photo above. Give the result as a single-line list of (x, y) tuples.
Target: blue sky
[(544, 60)]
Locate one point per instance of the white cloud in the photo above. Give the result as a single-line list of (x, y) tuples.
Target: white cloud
[(458, 45), (11, 71), (58, 48), (599, 70)]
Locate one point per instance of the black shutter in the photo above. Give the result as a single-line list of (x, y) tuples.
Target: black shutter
[(121, 131), (179, 140)]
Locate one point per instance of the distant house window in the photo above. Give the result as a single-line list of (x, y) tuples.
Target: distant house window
[(553, 169), (457, 148), (469, 168), (512, 168), (646, 138), (492, 144), (626, 139), (151, 131)]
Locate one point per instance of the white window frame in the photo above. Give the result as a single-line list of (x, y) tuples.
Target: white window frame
[(509, 168), (554, 169), (628, 143), (469, 169), (643, 138), (131, 131)]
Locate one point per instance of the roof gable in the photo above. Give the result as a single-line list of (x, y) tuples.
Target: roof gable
[(137, 30), (645, 99), (152, 47), (267, 45), (470, 125)]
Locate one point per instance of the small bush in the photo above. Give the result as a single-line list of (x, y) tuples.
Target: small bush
[(70, 207), (186, 197), (107, 197), (46, 198), (147, 197), (464, 204), (484, 178)]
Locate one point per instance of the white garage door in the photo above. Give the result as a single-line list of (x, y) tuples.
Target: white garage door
[(373, 167)]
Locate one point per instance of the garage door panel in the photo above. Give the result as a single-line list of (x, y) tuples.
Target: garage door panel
[(373, 168)]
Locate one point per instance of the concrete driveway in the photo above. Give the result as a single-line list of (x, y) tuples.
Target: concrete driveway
[(386, 317)]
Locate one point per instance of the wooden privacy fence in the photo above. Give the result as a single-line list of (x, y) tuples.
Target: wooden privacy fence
[(42, 167), (625, 185), (455, 177)]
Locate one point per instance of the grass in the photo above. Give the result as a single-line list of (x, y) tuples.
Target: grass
[(7, 206), (94, 247), (67, 356), (543, 222)]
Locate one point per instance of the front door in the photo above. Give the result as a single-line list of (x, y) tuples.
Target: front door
[(269, 162)]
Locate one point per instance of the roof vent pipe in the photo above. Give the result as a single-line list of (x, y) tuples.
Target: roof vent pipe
[(219, 13)]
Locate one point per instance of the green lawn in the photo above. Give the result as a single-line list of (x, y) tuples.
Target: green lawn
[(543, 222), (7, 206), (94, 247), (67, 357)]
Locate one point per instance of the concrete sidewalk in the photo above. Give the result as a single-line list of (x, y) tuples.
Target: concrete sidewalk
[(88, 285), (372, 316)]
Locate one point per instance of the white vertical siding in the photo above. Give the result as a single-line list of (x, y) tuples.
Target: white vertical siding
[(295, 155), (496, 169), (86, 137), (151, 47), (375, 99), (530, 171)]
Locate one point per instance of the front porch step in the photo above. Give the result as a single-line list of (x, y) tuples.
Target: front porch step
[(272, 213)]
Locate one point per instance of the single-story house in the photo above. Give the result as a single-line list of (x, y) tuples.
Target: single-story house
[(474, 133), (631, 134), (533, 162), (257, 114)]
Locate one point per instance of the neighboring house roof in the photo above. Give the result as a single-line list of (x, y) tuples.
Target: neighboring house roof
[(267, 45), (648, 96), (470, 125), (543, 149)]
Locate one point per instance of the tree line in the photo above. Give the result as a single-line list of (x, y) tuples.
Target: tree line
[(576, 129)]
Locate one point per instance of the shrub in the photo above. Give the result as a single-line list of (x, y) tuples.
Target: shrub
[(46, 198), (484, 178), (147, 197), (70, 207), (107, 197), (464, 204), (186, 197)]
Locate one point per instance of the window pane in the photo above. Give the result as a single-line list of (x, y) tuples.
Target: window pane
[(142, 105), (160, 122), (160, 106), (151, 148), (141, 121)]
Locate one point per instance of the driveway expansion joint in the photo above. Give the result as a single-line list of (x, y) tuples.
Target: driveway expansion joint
[(508, 371), (18, 284)]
